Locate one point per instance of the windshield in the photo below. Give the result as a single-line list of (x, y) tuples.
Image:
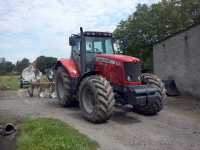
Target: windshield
[(100, 45)]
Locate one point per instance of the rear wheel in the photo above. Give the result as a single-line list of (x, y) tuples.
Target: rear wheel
[(63, 88), (152, 107), (96, 99)]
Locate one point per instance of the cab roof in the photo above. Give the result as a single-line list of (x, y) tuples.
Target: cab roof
[(94, 34)]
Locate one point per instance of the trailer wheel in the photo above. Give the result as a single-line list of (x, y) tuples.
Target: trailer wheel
[(96, 99), (152, 108), (63, 88)]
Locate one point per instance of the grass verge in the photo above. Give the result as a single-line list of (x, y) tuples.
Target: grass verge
[(52, 134), (9, 82)]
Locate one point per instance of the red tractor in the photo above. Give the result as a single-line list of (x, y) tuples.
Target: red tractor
[(98, 79)]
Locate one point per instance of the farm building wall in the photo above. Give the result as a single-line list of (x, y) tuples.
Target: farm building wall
[(178, 58)]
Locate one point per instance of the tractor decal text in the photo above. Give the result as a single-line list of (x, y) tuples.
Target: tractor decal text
[(105, 60)]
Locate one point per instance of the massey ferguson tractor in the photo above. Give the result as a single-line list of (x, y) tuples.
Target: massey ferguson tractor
[(98, 79)]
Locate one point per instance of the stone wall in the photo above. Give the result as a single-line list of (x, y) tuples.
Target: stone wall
[(178, 58)]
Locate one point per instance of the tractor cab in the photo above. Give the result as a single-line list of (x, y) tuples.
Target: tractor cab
[(86, 45)]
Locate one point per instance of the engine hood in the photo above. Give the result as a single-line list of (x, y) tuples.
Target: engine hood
[(119, 58)]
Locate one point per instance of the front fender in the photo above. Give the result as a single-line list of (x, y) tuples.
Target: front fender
[(70, 66)]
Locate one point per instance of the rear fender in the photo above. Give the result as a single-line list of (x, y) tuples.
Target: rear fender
[(70, 66)]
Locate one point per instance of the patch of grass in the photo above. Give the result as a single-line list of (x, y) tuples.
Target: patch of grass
[(52, 134), (9, 82)]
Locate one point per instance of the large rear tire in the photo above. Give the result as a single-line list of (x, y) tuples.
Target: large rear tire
[(63, 88), (96, 99), (153, 107)]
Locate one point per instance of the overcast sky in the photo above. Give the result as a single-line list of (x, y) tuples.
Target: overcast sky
[(30, 28)]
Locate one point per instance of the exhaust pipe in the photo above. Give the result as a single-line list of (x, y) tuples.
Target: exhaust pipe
[(82, 51)]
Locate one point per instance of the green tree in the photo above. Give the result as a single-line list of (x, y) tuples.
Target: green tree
[(21, 65), (191, 11), (6, 67), (44, 63), (149, 24)]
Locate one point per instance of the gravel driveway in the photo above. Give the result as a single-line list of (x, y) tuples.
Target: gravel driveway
[(177, 127)]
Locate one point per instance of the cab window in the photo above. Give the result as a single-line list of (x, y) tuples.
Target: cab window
[(76, 46), (99, 45)]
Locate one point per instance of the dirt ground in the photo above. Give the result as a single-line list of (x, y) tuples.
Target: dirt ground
[(177, 127)]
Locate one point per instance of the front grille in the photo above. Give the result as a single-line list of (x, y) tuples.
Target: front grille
[(133, 71)]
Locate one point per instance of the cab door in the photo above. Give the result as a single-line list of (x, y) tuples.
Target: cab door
[(76, 52)]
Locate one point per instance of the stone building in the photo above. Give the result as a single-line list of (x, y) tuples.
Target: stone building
[(178, 57)]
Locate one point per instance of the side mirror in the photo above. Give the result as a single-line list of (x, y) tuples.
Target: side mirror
[(71, 41), (120, 45), (124, 43)]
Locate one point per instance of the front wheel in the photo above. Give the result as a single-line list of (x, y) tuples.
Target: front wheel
[(63, 88), (155, 106), (96, 99)]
